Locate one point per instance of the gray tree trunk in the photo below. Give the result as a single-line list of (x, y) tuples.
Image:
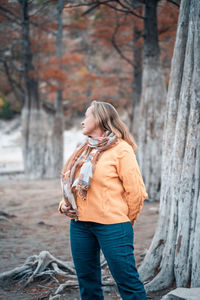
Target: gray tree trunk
[(134, 115), (152, 105), (42, 134), (58, 122), (175, 250)]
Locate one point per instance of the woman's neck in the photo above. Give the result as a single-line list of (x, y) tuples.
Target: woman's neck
[(97, 134)]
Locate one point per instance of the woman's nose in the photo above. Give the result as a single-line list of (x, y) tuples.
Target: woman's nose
[(82, 123)]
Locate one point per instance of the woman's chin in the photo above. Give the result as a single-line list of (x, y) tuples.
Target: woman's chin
[(84, 132)]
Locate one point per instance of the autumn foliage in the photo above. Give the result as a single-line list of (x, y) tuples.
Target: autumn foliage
[(90, 67)]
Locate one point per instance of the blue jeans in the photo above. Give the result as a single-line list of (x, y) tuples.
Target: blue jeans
[(116, 242)]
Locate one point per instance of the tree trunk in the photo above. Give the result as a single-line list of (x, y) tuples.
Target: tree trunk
[(34, 137), (175, 250), (42, 134), (33, 129), (152, 105), (134, 115), (58, 122), (16, 88)]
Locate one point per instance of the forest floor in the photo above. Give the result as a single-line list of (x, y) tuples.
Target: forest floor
[(30, 223)]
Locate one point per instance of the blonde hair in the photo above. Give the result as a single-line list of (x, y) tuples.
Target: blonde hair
[(108, 119)]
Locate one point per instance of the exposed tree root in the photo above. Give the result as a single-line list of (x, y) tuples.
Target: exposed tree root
[(47, 266), (160, 282)]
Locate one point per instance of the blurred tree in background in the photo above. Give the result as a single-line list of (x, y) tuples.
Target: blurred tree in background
[(42, 132)]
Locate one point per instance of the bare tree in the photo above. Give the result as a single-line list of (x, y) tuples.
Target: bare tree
[(136, 86), (54, 157), (152, 105), (33, 123), (175, 250), (136, 65), (42, 132)]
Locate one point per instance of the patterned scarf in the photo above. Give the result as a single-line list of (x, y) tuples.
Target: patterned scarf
[(84, 159)]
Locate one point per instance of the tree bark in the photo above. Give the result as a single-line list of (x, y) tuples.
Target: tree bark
[(58, 122), (174, 252), (42, 134), (33, 129), (134, 115), (152, 105), (16, 88)]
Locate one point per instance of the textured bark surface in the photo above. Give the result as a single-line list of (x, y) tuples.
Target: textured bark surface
[(34, 128), (42, 144), (42, 134), (152, 106), (134, 114), (174, 252)]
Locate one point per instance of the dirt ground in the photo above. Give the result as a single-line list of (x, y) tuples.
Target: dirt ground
[(32, 224)]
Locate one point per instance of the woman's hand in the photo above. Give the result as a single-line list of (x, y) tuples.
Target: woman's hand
[(69, 211)]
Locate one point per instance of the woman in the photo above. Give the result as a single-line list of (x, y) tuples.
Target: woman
[(103, 193)]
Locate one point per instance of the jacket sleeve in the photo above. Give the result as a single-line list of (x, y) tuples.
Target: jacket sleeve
[(132, 181)]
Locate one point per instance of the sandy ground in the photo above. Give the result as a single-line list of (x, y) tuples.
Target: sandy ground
[(33, 224)]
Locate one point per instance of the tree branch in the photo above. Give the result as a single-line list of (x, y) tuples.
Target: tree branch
[(96, 4), (5, 12), (14, 84), (117, 48), (124, 6), (106, 3), (173, 2)]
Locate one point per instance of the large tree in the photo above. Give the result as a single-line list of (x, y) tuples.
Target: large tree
[(55, 150), (33, 124), (42, 130), (152, 105), (174, 254)]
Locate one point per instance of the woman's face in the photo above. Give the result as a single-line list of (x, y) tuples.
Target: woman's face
[(90, 128)]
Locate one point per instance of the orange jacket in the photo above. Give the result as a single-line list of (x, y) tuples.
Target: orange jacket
[(117, 191)]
